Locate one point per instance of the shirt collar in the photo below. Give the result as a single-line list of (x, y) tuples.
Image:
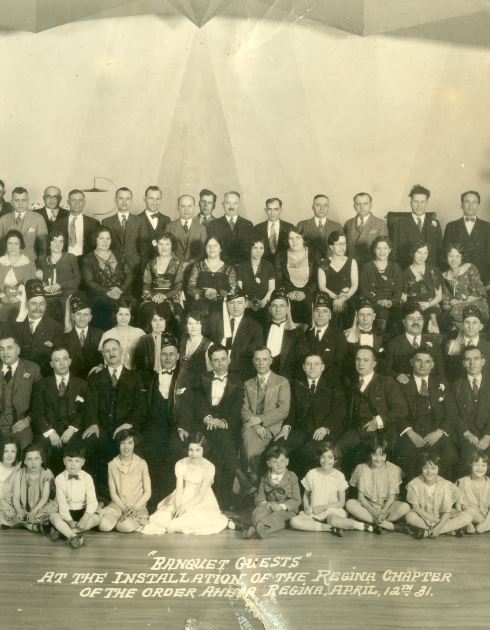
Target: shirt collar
[(478, 379), (13, 367), (416, 217), (367, 378), (471, 342), (264, 376), (118, 371), (224, 377), (65, 378)]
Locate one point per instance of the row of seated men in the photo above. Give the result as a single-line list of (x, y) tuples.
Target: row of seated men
[(133, 235), (282, 383)]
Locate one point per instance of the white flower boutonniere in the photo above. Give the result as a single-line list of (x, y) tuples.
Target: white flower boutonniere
[(154, 242), (79, 399), (26, 375), (435, 223), (428, 344), (48, 344), (381, 350), (179, 392)]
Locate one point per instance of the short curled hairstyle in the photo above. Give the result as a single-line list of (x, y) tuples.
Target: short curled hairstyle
[(376, 242), (16, 234), (458, 247), (414, 248)]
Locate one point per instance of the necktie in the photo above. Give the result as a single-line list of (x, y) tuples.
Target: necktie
[(157, 367), (321, 225), (474, 386), (8, 375), (82, 337), (74, 477), (232, 326), (313, 388), (419, 224), (361, 383), (62, 388), (415, 342), (424, 390), (360, 224), (123, 222), (232, 224), (18, 219), (317, 334), (273, 238), (261, 396), (72, 234), (262, 383), (53, 216), (114, 378), (31, 327), (186, 227)]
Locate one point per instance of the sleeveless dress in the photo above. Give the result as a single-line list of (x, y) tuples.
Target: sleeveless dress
[(202, 519)]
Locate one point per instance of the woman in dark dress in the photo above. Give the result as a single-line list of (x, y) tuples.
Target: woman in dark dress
[(162, 281), (210, 278), (338, 276), (194, 347), (381, 283), (296, 271), (106, 279), (257, 277)]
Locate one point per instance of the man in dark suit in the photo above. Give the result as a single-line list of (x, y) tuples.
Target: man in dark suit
[(317, 413), (189, 234), (397, 355), (472, 233), (163, 439), (17, 380), (427, 427), (362, 333), (116, 400), (273, 232), (77, 227), (470, 336), (216, 403), (38, 333), (471, 395), (51, 210), (323, 338), (316, 230), (285, 342), (361, 230), (207, 203), (239, 333), (5, 206), (129, 234), (58, 404), (155, 222), (416, 226), (375, 405), (232, 231), (82, 341)]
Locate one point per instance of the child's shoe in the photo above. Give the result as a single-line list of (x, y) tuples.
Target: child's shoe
[(77, 541), (337, 531)]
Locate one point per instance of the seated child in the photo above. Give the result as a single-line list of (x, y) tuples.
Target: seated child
[(34, 492), (278, 497), (378, 486), (75, 496), (129, 486), (432, 498), (474, 494), (324, 499), (192, 507), (9, 467)]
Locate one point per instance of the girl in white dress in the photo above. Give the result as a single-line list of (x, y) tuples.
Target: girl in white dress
[(324, 499), (192, 507), (474, 494)]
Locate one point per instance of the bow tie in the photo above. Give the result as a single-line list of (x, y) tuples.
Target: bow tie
[(275, 477), (366, 332), (469, 219), (167, 372), (278, 324), (74, 477), (221, 379)]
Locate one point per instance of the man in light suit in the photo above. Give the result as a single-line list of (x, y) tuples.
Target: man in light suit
[(17, 380), (472, 233), (189, 234), (51, 211), (58, 404), (416, 226), (129, 233), (361, 230), (30, 224), (316, 230), (232, 231), (265, 407), (274, 232), (77, 227), (155, 222)]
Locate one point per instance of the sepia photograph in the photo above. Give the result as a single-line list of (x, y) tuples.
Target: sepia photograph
[(244, 314)]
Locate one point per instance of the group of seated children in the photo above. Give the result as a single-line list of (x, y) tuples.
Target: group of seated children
[(66, 506)]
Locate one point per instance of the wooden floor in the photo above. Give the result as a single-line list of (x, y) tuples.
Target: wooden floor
[(460, 601)]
